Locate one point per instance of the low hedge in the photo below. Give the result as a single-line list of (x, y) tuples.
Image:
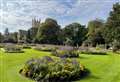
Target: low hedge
[(47, 69)]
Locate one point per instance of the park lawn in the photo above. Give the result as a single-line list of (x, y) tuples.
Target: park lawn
[(11, 63), (103, 68)]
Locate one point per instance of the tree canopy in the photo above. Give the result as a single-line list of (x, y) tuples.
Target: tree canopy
[(74, 33), (94, 34), (112, 26), (48, 32)]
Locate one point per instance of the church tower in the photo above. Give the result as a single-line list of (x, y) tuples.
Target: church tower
[(35, 23)]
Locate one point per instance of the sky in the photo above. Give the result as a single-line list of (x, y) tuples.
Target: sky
[(18, 14)]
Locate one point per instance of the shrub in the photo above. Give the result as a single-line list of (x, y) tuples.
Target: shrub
[(47, 69)]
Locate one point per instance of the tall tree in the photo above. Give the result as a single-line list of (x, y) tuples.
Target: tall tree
[(112, 27), (6, 32), (6, 35), (14, 37), (74, 34), (1, 37), (48, 32), (31, 35), (94, 35)]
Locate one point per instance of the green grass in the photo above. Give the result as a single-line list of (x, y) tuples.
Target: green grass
[(104, 68)]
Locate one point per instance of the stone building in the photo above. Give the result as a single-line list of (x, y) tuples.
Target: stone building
[(35, 23)]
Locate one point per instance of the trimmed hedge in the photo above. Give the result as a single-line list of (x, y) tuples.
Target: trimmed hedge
[(47, 69)]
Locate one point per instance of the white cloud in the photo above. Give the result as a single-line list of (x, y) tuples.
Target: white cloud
[(18, 14)]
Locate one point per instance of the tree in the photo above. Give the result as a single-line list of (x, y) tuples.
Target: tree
[(48, 32), (6, 32), (31, 35), (14, 37), (74, 33), (1, 37), (6, 35), (22, 36), (94, 35), (112, 26)]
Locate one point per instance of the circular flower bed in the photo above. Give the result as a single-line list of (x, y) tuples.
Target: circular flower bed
[(47, 69)]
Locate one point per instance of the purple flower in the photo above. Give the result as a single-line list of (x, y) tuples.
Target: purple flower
[(47, 58), (66, 48), (74, 62)]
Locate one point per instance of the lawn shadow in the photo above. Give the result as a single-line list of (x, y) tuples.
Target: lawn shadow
[(81, 57), (93, 77), (87, 75), (84, 75), (94, 53)]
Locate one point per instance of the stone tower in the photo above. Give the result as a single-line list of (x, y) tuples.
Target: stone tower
[(35, 23)]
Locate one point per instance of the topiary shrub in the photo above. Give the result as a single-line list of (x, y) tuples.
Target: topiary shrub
[(47, 69)]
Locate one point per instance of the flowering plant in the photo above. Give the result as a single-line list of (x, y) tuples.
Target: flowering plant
[(49, 69)]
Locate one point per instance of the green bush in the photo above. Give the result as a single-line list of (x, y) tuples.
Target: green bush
[(47, 69)]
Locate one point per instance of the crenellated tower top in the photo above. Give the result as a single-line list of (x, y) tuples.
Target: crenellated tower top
[(36, 23)]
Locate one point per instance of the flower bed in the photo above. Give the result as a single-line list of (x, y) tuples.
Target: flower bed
[(47, 69), (25, 46), (94, 52), (1, 45), (66, 52), (12, 49), (44, 48)]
